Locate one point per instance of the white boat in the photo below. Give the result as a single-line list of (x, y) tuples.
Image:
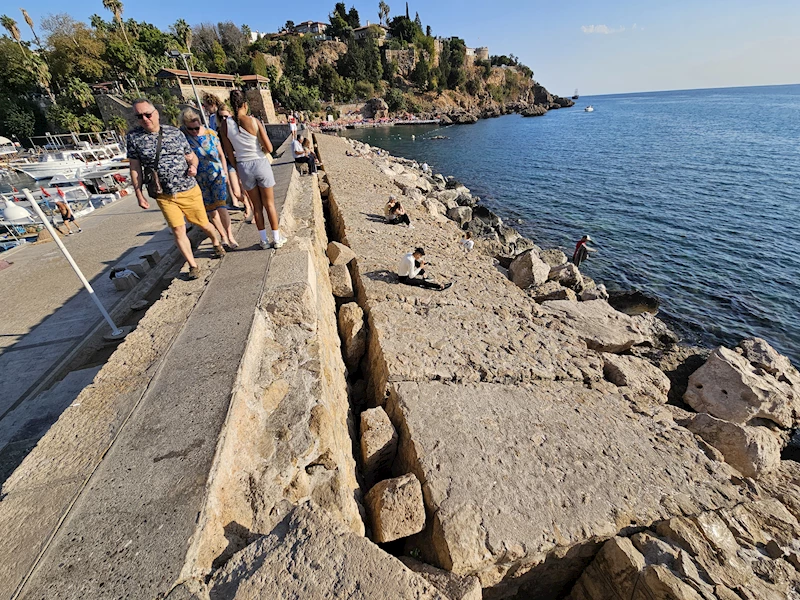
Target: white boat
[(67, 162), (7, 147), (589, 108)]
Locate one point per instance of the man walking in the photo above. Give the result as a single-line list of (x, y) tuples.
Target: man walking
[(67, 216), (164, 150)]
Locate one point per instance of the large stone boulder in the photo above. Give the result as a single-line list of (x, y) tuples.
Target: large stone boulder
[(753, 451), (600, 326), (534, 110), (460, 214), (339, 254), (353, 332), (376, 109), (447, 197), (551, 290), (341, 282), (553, 257), (517, 474), (568, 275), (378, 444), (637, 375), (455, 587), (731, 387), (528, 269), (633, 302), (396, 508), (310, 555)]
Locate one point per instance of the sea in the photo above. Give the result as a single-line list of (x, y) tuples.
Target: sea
[(693, 196)]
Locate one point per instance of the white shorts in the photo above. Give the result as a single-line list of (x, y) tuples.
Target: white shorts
[(255, 173)]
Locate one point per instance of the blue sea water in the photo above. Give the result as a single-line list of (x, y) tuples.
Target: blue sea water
[(690, 195)]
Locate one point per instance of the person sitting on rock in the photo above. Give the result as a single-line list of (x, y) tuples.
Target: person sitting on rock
[(582, 251), (301, 155), (467, 243), (411, 271), (396, 214)]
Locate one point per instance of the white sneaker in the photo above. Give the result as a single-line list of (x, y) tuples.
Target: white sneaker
[(265, 245), (278, 243)]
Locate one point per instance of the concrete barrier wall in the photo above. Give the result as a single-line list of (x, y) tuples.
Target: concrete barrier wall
[(288, 434)]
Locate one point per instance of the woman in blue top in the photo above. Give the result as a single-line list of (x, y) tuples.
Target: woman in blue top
[(211, 173)]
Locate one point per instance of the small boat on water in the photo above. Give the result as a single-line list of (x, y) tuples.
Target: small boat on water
[(589, 108), (575, 95), (66, 154)]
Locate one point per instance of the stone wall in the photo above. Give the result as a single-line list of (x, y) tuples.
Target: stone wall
[(405, 60)]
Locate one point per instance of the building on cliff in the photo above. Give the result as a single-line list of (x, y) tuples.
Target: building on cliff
[(256, 87)]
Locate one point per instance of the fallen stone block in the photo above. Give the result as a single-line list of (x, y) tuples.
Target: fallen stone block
[(125, 281), (600, 326), (139, 266), (353, 333), (460, 214), (567, 275), (594, 292), (637, 374), (396, 508), (520, 473), (730, 387), (753, 451), (378, 444), (551, 290), (553, 257), (310, 555), (527, 269), (341, 282), (455, 587), (339, 254)]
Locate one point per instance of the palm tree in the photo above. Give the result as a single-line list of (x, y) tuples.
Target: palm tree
[(115, 7), (30, 23), (184, 33), (10, 25), (383, 12)]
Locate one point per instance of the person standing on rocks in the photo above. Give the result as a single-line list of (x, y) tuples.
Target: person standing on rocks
[(411, 271), (163, 152), (582, 251)]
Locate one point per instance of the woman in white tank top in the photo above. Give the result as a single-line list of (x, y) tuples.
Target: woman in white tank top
[(245, 141)]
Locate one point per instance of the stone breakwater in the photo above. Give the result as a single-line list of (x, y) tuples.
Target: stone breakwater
[(561, 448)]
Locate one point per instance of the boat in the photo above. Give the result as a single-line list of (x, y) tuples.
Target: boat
[(575, 95), (589, 108), (65, 154), (7, 148)]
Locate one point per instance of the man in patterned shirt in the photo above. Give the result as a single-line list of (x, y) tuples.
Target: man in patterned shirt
[(177, 166)]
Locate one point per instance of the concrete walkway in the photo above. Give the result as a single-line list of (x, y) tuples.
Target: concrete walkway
[(141, 501)]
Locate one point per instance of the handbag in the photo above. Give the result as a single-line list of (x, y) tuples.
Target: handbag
[(151, 179)]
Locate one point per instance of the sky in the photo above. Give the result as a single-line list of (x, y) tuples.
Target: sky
[(598, 47)]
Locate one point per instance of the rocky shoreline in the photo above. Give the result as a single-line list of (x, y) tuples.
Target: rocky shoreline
[(706, 428)]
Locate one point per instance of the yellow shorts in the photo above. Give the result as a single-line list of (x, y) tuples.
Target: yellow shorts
[(188, 204)]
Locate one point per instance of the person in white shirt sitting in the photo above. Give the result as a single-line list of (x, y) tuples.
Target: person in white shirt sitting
[(301, 155), (411, 271)]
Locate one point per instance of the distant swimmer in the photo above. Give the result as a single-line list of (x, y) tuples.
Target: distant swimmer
[(582, 251)]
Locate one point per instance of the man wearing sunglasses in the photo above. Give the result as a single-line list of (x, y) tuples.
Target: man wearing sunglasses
[(176, 168)]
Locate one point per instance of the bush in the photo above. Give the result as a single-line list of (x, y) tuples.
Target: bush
[(395, 100), (90, 124), (472, 86), (364, 90)]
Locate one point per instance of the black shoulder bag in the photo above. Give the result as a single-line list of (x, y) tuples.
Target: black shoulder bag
[(151, 180)]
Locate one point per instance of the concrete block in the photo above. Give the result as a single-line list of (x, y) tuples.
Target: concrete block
[(153, 257), (125, 282), (140, 266)]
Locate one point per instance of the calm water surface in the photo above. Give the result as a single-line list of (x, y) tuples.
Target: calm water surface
[(690, 195)]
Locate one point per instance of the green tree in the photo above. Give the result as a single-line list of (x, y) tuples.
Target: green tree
[(218, 58), (362, 60), (353, 19), (421, 74), (403, 28), (383, 12), (340, 27), (364, 90), (118, 124), (183, 32), (74, 50), (288, 26), (10, 25), (294, 59), (395, 100), (116, 8), (79, 93), (17, 119), (90, 124), (63, 118)]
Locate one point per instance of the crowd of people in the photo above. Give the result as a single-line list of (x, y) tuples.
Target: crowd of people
[(197, 172)]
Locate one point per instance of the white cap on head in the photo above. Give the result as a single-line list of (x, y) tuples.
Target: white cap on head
[(392, 197), (587, 238)]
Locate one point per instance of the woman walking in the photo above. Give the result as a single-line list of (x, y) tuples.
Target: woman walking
[(234, 188), (211, 172), (247, 137)]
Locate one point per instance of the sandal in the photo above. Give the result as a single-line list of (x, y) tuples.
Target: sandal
[(219, 251)]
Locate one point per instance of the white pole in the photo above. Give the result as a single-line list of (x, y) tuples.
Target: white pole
[(114, 329)]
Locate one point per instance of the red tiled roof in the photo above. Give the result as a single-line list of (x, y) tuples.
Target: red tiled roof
[(165, 73)]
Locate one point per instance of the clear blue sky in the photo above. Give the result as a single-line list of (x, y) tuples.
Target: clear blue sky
[(599, 47)]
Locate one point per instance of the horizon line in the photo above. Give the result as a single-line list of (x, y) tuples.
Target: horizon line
[(723, 87)]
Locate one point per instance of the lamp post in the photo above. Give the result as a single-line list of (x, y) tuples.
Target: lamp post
[(183, 55)]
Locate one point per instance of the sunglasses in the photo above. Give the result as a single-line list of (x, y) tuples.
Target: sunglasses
[(193, 129), (141, 116)]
